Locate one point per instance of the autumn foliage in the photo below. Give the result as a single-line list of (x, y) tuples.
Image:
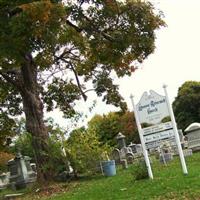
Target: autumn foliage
[(4, 158)]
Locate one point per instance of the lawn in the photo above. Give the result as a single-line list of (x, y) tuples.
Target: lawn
[(168, 183)]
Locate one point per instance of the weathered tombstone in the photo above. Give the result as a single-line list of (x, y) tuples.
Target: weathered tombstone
[(130, 158), (116, 156), (21, 172), (121, 141), (193, 136), (124, 163), (4, 180), (133, 147), (181, 136), (33, 166), (187, 152), (165, 152), (138, 148), (166, 157)]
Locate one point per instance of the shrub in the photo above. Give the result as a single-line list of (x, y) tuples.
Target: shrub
[(24, 144), (85, 151), (4, 158), (140, 170)]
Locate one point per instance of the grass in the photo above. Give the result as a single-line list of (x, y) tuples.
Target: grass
[(168, 183)]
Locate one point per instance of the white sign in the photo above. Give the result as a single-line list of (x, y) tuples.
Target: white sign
[(159, 136), (151, 114), (152, 109), (155, 144), (157, 128)]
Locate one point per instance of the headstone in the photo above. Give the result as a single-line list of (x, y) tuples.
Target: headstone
[(133, 147), (181, 136), (33, 167), (193, 136), (4, 180), (187, 152), (130, 158), (166, 157), (124, 163), (116, 156), (21, 172), (121, 141), (138, 148)]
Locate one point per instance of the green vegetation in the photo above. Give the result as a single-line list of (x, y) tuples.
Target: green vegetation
[(85, 151), (169, 183), (108, 126), (187, 103), (51, 49)]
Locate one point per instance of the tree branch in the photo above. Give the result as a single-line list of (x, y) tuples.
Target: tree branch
[(9, 79), (78, 83), (95, 29), (79, 30), (77, 79)]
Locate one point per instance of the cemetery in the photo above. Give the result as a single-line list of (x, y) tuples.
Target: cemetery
[(168, 183), (125, 169), (79, 116)]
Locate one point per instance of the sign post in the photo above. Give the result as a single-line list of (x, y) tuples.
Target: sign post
[(182, 159), (156, 123), (145, 153)]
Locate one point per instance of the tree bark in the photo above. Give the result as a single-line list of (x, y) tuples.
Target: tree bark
[(33, 109)]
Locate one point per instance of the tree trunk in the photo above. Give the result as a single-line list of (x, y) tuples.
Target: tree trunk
[(33, 109), (35, 125)]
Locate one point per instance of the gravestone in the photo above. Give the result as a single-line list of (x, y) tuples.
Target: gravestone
[(116, 156), (130, 158), (21, 172), (133, 147), (124, 164), (4, 180), (166, 157), (181, 136), (121, 141), (138, 149), (187, 152), (193, 136)]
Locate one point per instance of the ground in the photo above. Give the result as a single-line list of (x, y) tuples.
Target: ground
[(168, 183)]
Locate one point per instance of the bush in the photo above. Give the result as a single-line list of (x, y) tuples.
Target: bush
[(24, 144), (85, 151), (140, 170), (4, 158)]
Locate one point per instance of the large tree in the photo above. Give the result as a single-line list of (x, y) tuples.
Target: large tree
[(187, 104), (49, 49)]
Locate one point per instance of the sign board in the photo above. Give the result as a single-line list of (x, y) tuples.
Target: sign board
[(155, 144), (156, 122), (152, 109), (154, 118), (159, 136), (157, 128)]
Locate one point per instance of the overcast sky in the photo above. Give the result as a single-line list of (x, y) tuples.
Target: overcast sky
[(175, 60)]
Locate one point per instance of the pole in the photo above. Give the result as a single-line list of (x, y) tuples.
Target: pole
[(182, 159), (145, 153)]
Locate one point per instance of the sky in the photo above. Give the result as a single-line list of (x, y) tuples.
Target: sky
[(175, 60)]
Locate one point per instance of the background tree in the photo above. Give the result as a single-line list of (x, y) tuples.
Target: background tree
[(187, 104), (108, 126), (85, 151), (128, 127), (23, 143), (49, 50), (8, 129)]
